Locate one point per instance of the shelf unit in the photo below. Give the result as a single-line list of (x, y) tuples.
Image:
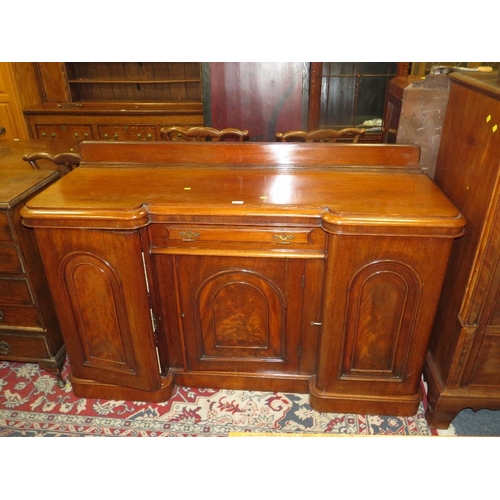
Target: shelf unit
[(116, 101), (134, 82)]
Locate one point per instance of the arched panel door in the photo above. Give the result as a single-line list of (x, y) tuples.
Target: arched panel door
[(102, 303), (93, 314), (382, 305), (239, 315)]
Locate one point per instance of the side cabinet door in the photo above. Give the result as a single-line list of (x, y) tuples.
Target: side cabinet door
[(380, 304), (241, 315), (98, 284)]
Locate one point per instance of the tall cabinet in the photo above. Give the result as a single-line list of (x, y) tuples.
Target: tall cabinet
[(463, 360)]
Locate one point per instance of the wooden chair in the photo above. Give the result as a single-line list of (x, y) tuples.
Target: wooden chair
[(66, 162), (193, 134), (322, 135)]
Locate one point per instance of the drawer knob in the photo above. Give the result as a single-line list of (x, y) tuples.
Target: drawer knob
[(188, 235), (283, 239), (2, 316), (4, 348)]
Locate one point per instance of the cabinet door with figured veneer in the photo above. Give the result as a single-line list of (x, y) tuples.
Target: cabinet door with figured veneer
[(241, 315), (380, 304), (102, 303)]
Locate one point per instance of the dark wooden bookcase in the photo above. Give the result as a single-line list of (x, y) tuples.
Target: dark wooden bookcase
[(115, 100)]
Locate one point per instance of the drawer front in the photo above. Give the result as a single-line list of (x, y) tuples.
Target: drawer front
[(10, 262), (23, 346), (63, 131), (5, 230), (15, 292), (19, 316), (195, 238), (127, 132)]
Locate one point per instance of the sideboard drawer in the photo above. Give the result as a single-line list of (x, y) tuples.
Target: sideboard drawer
[(127, 132), (198, 238), (63, 131), (15, 292), (23, 346), (10, 262), (5, 230), (26, 316)]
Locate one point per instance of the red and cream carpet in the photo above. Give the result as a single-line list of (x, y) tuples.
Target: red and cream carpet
[(31, 404)]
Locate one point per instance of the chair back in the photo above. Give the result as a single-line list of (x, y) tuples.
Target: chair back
[(322, 135), (66, 162), (201, 134)]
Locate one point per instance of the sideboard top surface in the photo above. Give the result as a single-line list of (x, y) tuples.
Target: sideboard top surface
[(132, 197)]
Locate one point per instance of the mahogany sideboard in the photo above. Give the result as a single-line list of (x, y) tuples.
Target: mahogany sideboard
[(310, 268), (463, 362)]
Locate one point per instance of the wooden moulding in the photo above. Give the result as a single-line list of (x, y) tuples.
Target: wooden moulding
[(256, 154), (363, 403)]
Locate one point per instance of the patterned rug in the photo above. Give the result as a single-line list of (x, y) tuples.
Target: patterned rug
[(31, 404)]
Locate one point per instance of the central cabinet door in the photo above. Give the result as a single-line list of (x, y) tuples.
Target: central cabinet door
[(241, 314)]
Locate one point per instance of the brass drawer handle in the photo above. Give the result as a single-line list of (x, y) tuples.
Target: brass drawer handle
[(283, 239), (4, 348), (188, 235)]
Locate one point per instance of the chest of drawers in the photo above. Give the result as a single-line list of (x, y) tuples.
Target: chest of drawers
[(29, 330)]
